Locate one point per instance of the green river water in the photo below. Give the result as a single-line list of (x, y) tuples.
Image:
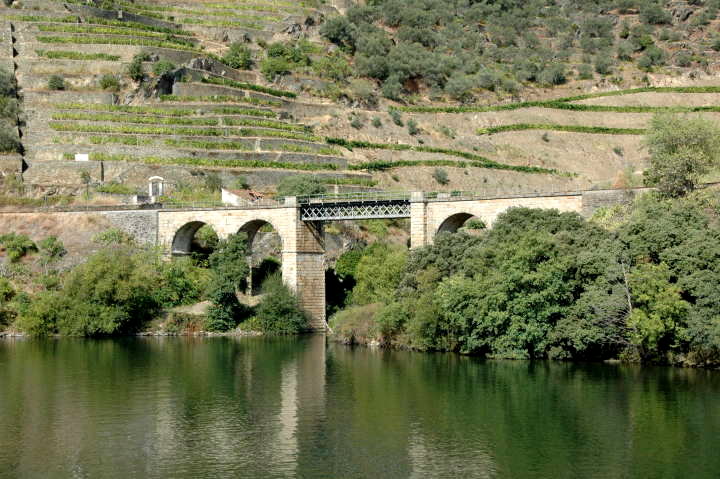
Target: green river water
[(298, 407)]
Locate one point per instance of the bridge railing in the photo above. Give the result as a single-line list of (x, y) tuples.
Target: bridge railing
[(362, 196)]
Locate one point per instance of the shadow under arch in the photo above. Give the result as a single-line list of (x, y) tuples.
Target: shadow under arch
[(183, 243), (454, 222)]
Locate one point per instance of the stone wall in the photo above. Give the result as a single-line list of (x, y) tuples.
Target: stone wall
[(62, 173), (206, 89), (594, 200), (141, 225), (437, 212), (114, 15)]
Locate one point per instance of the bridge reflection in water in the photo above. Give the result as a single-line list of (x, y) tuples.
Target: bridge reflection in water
[(298, 407)]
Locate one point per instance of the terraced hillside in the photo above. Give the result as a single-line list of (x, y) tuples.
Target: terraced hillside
[(250, 92)]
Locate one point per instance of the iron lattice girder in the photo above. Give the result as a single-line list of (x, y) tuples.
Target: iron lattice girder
[(355, 210)]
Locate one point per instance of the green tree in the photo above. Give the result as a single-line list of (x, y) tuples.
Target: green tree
[(17, 246), (238, 56), (378, 273), (113, 292), (229, 273), (659, 314), (279, 311), (300, 185), (51, 250), (682, 151)]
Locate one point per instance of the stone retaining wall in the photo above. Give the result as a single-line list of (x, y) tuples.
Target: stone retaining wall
[(141, 225), (206, 89), (113, 15), (594, 200)]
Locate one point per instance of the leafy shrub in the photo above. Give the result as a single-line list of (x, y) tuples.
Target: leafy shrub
[(113, 292), (683, 59), (396, 117), (440, 176), (603, 64), (163, 67), (333, 66), (135, 68), (653, 13), (356, 121), (109, 82), (682, 150), (279, 311), (653, 56), (9, 141), (238, 56), (229, 271), (213, 182), (553, 75), (17, 246), (376, 122), (7, 82), (300, 185), (56, 82), (413, 128), (363, 91), (585, 72)]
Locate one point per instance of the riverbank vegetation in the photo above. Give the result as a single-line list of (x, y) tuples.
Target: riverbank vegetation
[(638, 282), (123, 286)]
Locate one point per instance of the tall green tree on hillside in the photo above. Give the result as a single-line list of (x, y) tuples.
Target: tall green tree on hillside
[(682, 151)]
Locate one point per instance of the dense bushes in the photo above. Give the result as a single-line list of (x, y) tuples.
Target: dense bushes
[(300, 185), (238, 56), (229, 274), (682, 152), (123, 286), (456, 47), (543, 284), (279, 311)]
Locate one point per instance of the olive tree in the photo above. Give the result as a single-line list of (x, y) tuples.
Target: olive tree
[(682, 151)]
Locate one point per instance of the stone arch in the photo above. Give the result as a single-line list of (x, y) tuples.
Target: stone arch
[(258, 262), (252, 227), (454, 222), (183, 239)]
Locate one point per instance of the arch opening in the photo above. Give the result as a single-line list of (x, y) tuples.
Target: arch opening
[(264, 253), (196, 239), (461, 221)]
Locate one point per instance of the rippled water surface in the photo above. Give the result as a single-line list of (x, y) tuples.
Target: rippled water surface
[(254, 407)]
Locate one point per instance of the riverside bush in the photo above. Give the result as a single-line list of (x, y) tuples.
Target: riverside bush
[(279, 311), (645, 287)]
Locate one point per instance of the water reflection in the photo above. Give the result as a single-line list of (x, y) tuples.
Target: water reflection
[(286, 407)]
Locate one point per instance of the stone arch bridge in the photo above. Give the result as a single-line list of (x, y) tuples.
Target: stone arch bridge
[(299, 223)]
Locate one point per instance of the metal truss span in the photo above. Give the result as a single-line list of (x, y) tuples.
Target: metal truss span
[(355, 210)]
